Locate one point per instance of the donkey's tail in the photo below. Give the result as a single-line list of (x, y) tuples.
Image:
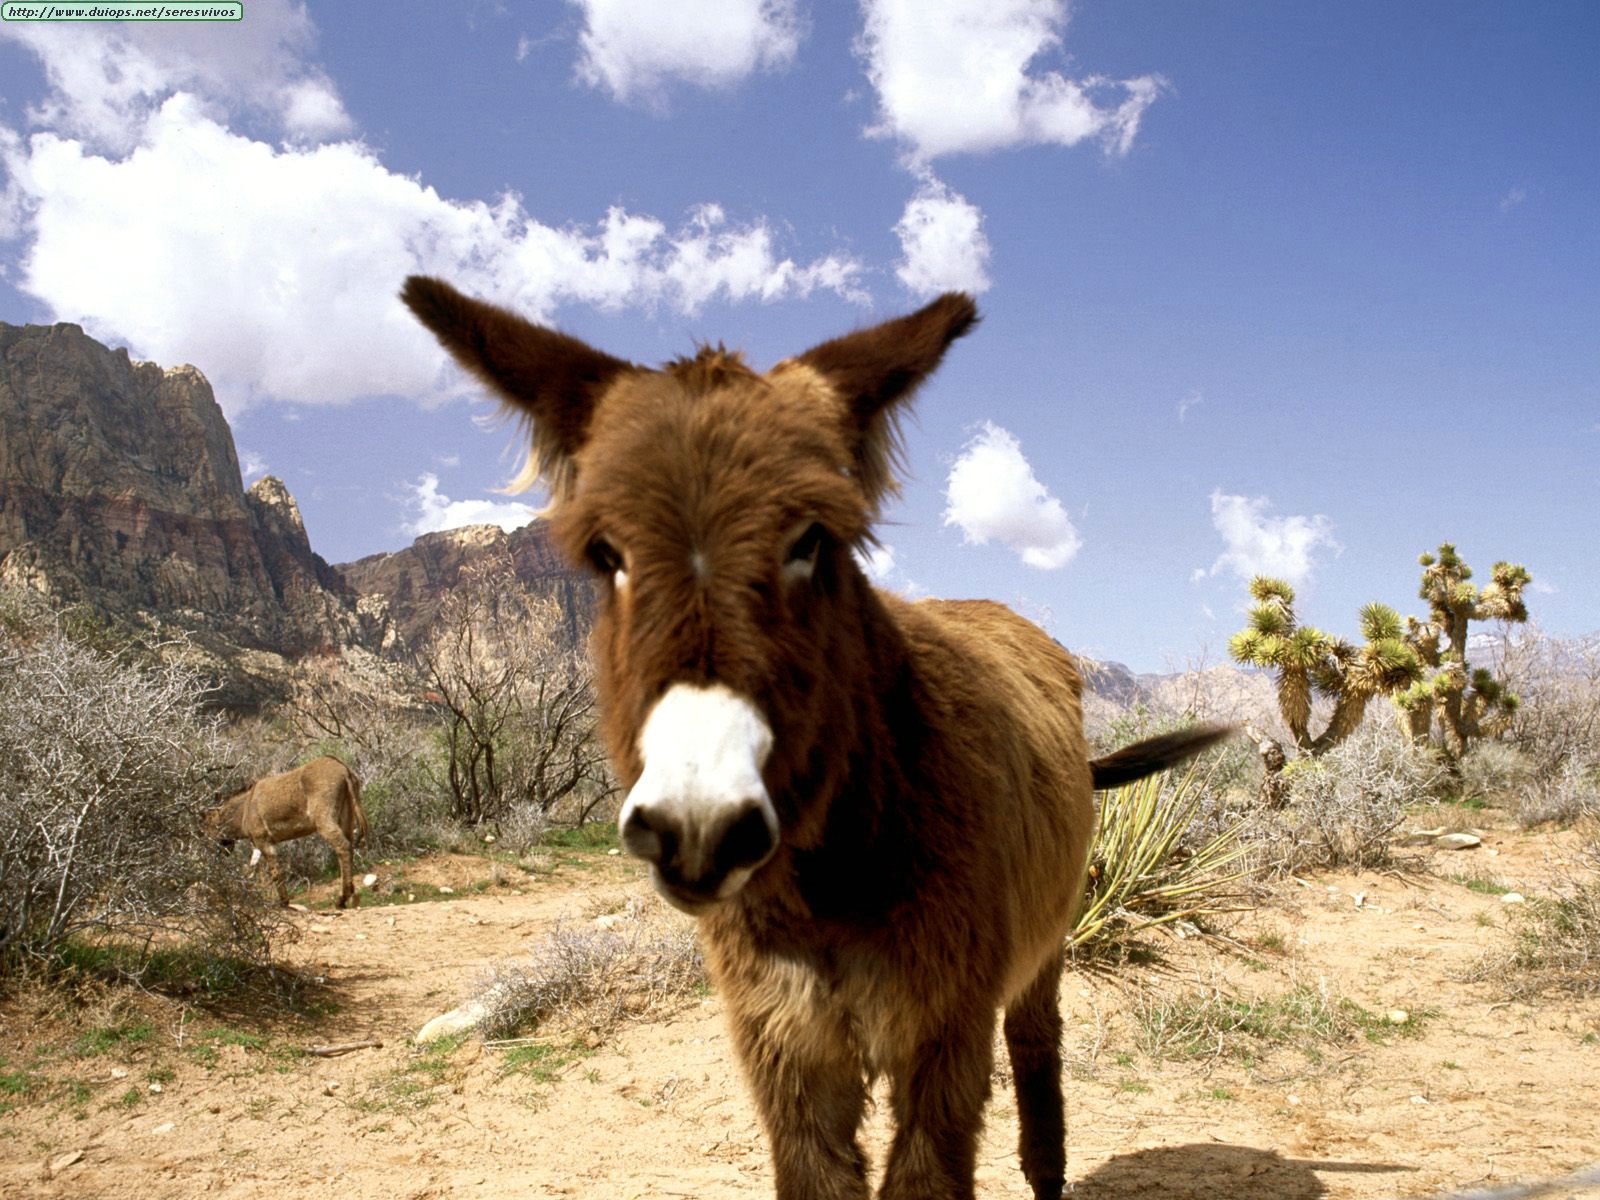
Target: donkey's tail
[(1156, 754)]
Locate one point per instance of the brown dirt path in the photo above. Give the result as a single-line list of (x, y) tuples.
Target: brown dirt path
[(1476, 1092)]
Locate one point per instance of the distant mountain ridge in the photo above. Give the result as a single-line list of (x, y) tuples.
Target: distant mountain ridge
[(120, 488)]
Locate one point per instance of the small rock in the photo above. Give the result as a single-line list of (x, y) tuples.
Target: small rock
[(608, 921), (61, 1162), (1420, 1100), (388, 920), (446, 891), (1513, 898), (301, 908), (321, 929), (1397, 1016), (368, 880), (1457, 841), (119, 1072), (613, 852), (330, 1087), (489, 838), (155, 1087), (165, 1127), (1294, 1101)]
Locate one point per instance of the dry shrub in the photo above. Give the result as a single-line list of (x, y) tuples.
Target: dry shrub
[(1557, 682), (1495, 773), (106, 759), (1345, 805), (1569, 796), (595, 977)]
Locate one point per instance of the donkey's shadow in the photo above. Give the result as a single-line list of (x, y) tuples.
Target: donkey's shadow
[(1207, 1171)]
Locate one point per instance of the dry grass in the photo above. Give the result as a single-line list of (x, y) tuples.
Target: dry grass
[(596, 977), (1555, 940)]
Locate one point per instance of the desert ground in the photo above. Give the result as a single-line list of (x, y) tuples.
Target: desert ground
[(1335, 1043)]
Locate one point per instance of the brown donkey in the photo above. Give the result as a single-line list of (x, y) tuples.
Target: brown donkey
[(880, 811)]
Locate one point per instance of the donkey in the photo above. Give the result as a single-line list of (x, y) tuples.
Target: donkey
[(322, 797), (879, 811)]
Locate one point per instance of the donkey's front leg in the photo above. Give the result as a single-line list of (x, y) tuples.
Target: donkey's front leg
[(810, 1091), (938, 1101)]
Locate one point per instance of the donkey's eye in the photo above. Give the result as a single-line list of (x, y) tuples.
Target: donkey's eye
[(803, 553), (604, 557)]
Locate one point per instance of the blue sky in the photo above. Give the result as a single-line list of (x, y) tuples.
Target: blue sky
[(1296, 288)]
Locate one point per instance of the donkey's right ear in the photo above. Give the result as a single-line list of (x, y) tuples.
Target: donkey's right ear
[(549, 379)]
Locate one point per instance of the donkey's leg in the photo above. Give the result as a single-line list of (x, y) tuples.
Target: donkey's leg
[(275, 869), (938, 1105), (810, 1091), (1033, 1036), (339, 843)]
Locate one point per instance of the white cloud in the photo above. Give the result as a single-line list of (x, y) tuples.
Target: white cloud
[(953, 76), (276, 269), (107, 78), (877, 561), (251, 464), (992, 493), (635, 48), (1512, 198), (942, 242), (1260, 544), (1192, 400), (433, 510)]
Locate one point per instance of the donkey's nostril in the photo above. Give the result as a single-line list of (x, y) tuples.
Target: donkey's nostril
[(642, 839), (748, 841)]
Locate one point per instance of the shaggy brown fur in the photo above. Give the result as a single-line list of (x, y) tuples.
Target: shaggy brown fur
[(322, 797), (928, 767)]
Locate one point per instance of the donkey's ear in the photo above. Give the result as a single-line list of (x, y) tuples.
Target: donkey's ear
[(875, 369), (549, 379)]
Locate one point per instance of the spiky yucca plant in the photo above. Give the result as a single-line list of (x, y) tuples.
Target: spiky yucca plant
[(1467, 703), (1310, 662)]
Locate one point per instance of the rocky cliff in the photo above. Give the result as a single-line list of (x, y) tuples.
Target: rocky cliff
[(120, 488), (401, 592)]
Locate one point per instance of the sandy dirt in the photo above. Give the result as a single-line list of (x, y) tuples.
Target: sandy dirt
[(1470, 1091)]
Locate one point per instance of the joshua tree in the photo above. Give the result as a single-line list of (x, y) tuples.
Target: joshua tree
[(1468, 703), (1309, 661)]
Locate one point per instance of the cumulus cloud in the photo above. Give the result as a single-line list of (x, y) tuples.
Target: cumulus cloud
[(954, 75), (251, 464), (1261, 544), (942, 243), (275, 268), (635, 48), (992, 493), (106, 78), (432, 510), (877, 561)]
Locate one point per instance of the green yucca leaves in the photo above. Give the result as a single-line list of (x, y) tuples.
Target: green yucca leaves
[(1138, 877)]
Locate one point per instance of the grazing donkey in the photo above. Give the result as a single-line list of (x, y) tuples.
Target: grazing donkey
[(322, 797), (879, 811)]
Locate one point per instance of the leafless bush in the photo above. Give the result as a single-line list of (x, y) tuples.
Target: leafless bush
[(1570, 796), (595, 978), (105, 761), (1345, 805), (1494, 772), (1557, 681), (517, 705)]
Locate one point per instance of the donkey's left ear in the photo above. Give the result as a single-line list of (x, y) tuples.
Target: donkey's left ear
[(548, 378), (876, 369)]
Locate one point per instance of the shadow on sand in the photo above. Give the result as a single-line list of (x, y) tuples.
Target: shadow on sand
[(1207, 1171)]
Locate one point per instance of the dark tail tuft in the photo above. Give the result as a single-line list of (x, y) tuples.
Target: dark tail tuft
[(1156, 754)]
